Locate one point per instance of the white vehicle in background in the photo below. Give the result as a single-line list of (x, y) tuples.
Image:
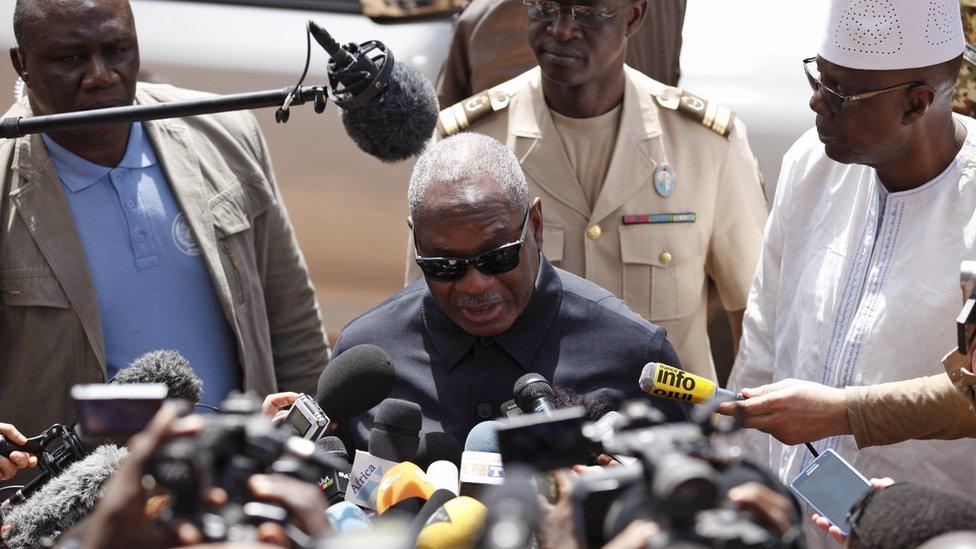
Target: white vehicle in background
[(349, 209)]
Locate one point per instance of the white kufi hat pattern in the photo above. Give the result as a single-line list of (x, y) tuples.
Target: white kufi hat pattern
[(892, 34)]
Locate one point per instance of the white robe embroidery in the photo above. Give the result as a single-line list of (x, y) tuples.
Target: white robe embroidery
[(841, 301)]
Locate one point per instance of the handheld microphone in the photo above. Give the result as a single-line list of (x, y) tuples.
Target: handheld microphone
[(393, 439), (481, 462), (389, 110), (435, 446), (457, 523), (355, 381), (534, 394), (335, 482), (445, 475), (665, 381), (395, 435), (404, 488), (64, 500), (345, 518), (434, 503)]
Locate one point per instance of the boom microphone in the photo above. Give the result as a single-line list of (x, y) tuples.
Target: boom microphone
[(163, 366), (389, 110), (64, 500), (534, 394), (665, 381), (355, 381)]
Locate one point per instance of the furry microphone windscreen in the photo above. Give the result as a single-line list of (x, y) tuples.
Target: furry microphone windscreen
[(64, 500), (396, 124), (164, 366)]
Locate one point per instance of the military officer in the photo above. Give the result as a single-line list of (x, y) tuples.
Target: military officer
[(649, 190)]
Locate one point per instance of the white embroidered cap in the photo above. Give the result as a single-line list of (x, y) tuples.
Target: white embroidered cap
[(892, 34)]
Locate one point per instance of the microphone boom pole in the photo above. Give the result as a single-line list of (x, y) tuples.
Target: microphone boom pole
[(19, 126)]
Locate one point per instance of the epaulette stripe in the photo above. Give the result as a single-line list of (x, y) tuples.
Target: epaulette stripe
[(713, 116)]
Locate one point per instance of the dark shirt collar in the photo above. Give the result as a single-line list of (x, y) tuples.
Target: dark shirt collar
[(520, 341)]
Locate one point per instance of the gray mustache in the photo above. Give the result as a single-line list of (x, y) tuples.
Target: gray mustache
[(488, 298)]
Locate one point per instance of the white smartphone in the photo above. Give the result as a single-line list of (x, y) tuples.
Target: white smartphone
[(831, 486)]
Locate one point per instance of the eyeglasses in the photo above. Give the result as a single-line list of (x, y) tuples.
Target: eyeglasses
[(854, 516), (494, 262), (836, 100), (587, 16)]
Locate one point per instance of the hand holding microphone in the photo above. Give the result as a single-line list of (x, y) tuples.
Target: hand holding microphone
[(665, 381), (16, 460), (793, 411)]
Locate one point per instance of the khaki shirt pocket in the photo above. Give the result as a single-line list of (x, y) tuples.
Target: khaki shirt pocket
[(235, 207), (663, 269), (553, 240), (22, 289)]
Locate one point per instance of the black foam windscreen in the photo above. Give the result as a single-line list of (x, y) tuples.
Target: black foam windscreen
[(396, 430), (355, 381), (531, 387), (63, 501), (437, 447), (332, 445), (397, 123), (164, 366)]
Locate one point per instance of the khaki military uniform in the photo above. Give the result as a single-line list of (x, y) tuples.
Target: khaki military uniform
[(653, 248)]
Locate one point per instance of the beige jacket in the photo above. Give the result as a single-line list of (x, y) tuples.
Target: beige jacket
[(220, 172), (660, 270), (933, 407)]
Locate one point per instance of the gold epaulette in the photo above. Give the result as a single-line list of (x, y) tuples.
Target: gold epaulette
[(460, 116), (713, 116)]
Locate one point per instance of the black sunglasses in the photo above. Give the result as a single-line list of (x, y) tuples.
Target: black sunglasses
[(494, 262)]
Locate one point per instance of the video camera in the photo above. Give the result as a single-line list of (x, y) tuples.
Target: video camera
[(678, 480), (235, 444)]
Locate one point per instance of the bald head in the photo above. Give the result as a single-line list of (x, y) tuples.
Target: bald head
[(30, 15), (466, 171)]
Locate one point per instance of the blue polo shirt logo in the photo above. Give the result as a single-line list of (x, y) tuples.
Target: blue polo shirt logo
[(183, 238)]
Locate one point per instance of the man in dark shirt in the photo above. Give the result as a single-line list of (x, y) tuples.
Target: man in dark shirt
[(461, 337)]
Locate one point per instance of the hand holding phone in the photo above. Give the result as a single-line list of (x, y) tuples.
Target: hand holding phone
[(831, 486)]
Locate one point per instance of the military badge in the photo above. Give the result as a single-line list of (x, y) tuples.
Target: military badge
[(664, 180)]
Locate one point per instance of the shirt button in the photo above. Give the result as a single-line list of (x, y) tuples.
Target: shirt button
[(486, 341), (484, 410), (594, 232), (665, 257), (131, 204), (141, 237)]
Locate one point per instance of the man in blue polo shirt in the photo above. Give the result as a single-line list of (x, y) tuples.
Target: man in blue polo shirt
[(117, 240), (152, 285)]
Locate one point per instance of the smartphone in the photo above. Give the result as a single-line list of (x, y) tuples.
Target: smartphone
[(831, 486), (115, 412)]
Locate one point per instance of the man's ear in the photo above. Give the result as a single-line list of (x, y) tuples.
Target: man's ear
[(535, 217), (919, 99), (637, 11), (409, 222), (17, 60)]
